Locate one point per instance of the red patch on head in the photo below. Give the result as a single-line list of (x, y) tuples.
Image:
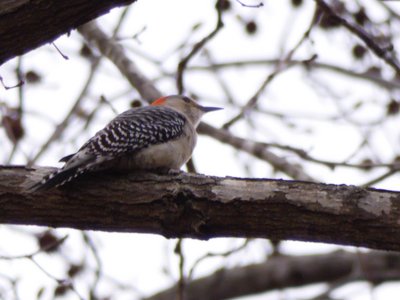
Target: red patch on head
[(159, 101)]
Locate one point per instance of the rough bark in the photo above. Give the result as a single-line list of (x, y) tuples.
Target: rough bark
[(280, 272), (203, 207), (26, 24)]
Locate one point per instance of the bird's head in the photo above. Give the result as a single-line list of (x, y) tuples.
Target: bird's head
[(186, 106)]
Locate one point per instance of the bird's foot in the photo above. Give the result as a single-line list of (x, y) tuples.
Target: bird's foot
[(167, 171)]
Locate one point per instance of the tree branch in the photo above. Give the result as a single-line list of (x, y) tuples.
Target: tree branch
[(203, 207), (26, 25), (385, 52), (117, 54), (258, 150), (280, 272)]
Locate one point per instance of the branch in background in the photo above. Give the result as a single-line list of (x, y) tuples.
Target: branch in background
[(60, 128), (282, 65), (258, 150), (197, 47), (373, 78), (204, 207), (386, 52), (280, 272), (116, 54)]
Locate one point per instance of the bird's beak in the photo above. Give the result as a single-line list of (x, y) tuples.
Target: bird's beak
[(208, 109)]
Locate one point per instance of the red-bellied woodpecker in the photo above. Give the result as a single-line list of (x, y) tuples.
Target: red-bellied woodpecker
[(159, 136)]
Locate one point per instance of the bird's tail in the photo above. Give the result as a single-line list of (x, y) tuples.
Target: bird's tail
[(51, 180)]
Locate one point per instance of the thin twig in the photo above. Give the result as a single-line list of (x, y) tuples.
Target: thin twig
[(309, 65), (20, 108), (65, 282), (60, 128), (8, 87), (385, 175), (292, 170), (213, 254), (281, 66), (59, 51), (181, 266), (196, 48), (98, 271), (386, 53), (214, 71), (260, 4), (54, 244)]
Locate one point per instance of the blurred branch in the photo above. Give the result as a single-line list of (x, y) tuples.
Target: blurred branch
[(260, 4), (197, 47), (60, 128), (117, 54), (260, 146), (281, 66), (203, 207), (280, 272), (26, 25), (98, 272), (258, 150), (385, 52), (215, 254), (65, 284), (181, 265), (19, 113), (393, 84), (47, 247)]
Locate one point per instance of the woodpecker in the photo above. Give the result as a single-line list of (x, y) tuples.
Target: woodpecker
[(159, 136)]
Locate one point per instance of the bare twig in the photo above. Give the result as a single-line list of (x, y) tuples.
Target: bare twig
[(60, 128), (196, 48), (64, 282), (54, 244), (309, 65), (258, 150), (116, 53), (98, 271), (386, 53), (281, 66), (385, 175), (260, 4), (59, 51), (213, 254), (7, 87), (181, 267)]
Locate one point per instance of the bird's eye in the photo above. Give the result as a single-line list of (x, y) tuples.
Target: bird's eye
[(186, 99)]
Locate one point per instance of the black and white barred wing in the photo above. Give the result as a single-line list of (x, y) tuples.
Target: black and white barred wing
[(127, 134)]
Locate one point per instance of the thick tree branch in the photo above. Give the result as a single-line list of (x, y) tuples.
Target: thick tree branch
[(280, 272), (25, 25), (204, 207)]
